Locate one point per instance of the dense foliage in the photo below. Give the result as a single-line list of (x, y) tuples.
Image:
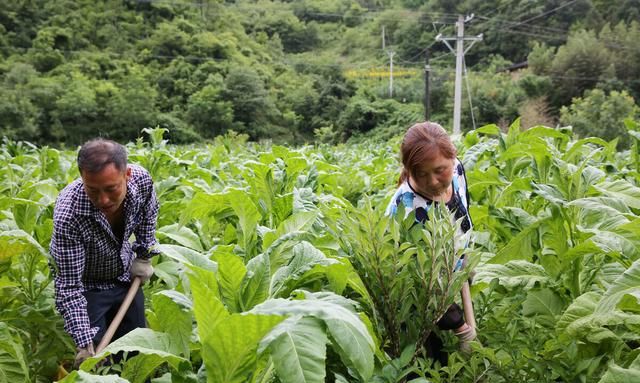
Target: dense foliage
[(268, 254), (296, 70)]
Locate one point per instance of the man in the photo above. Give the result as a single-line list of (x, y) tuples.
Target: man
[(95, 262)]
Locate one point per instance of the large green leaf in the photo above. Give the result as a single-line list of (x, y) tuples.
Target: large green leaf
[(298, 350), (304, 200), (632, 227), (186, 256), (348, 333), (618, 374), (630, 303), (169, 272), (490, 129), (627, 283), (231, 272), (578, 315), (15, 242), (300, 221), (609, 273), (33, 200), (182, 235), (615, 242), (601, 212), (520, 186), (140, 367), (248, 216), (543, 303), (580, 320), (585, 144), (480, 180), (305, 257), (175, 320), (12, 358), (550, 193), (155, 349), (622, 190), (355, 347), (207, 307), (85, 377), (203, 205), (514, 273), (255, 286), (230, 351), (519, 247), (472, 154)]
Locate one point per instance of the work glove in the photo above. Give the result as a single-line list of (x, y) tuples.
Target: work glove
[(465, 335), (141, 268), (83, 353)]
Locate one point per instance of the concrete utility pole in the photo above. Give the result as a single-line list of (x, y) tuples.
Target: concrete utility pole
[(459, 52), (427, 100), (391, 54)]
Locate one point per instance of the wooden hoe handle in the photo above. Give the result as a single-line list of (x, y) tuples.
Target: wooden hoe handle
[(467, 305), (135, 285)]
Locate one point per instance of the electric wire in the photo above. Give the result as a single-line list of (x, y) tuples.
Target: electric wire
[(546, 13), (466, 80)]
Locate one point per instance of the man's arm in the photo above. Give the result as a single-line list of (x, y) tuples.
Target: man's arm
[(68, 252)]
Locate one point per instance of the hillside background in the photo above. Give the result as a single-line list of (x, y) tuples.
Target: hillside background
[(305, 71)]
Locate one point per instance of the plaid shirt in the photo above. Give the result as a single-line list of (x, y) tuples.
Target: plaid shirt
[(87, 254)]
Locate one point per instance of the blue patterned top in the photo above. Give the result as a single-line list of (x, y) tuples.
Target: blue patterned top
[(413, 200)]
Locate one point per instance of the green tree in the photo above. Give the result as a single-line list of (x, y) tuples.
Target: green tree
[(496, 97), (364, 113), (208, 112), (602, 115), (76, 109), (622, 41), (578, 66), (18, 113), (540, 58), (132, 107), (253, 109), (45, 53), (18, 116), (167, 41)]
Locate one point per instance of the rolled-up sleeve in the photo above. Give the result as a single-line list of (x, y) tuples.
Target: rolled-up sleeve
[(68, 253)]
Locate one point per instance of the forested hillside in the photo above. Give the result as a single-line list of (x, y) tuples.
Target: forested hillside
[(307, 70)]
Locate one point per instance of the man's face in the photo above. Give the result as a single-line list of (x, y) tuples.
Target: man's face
[(107, 188)]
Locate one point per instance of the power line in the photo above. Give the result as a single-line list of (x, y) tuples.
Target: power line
[(609, 43), (546, 13), (550, 33), (466, 80), (513, 24)]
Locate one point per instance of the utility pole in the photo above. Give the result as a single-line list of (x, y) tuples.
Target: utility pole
[(391, 54), (427, 99), (459, 52)]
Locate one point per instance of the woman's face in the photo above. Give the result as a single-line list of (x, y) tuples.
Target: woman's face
[(433, 177)]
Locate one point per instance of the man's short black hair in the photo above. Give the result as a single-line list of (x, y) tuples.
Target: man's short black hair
[(96, 154)]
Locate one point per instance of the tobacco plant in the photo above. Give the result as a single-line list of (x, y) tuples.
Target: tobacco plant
[(407, 269)]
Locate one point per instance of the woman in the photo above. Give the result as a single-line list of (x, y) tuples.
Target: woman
[(432, 174)]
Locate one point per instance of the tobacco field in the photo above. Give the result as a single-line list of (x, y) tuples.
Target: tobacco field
[(278, 264)]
